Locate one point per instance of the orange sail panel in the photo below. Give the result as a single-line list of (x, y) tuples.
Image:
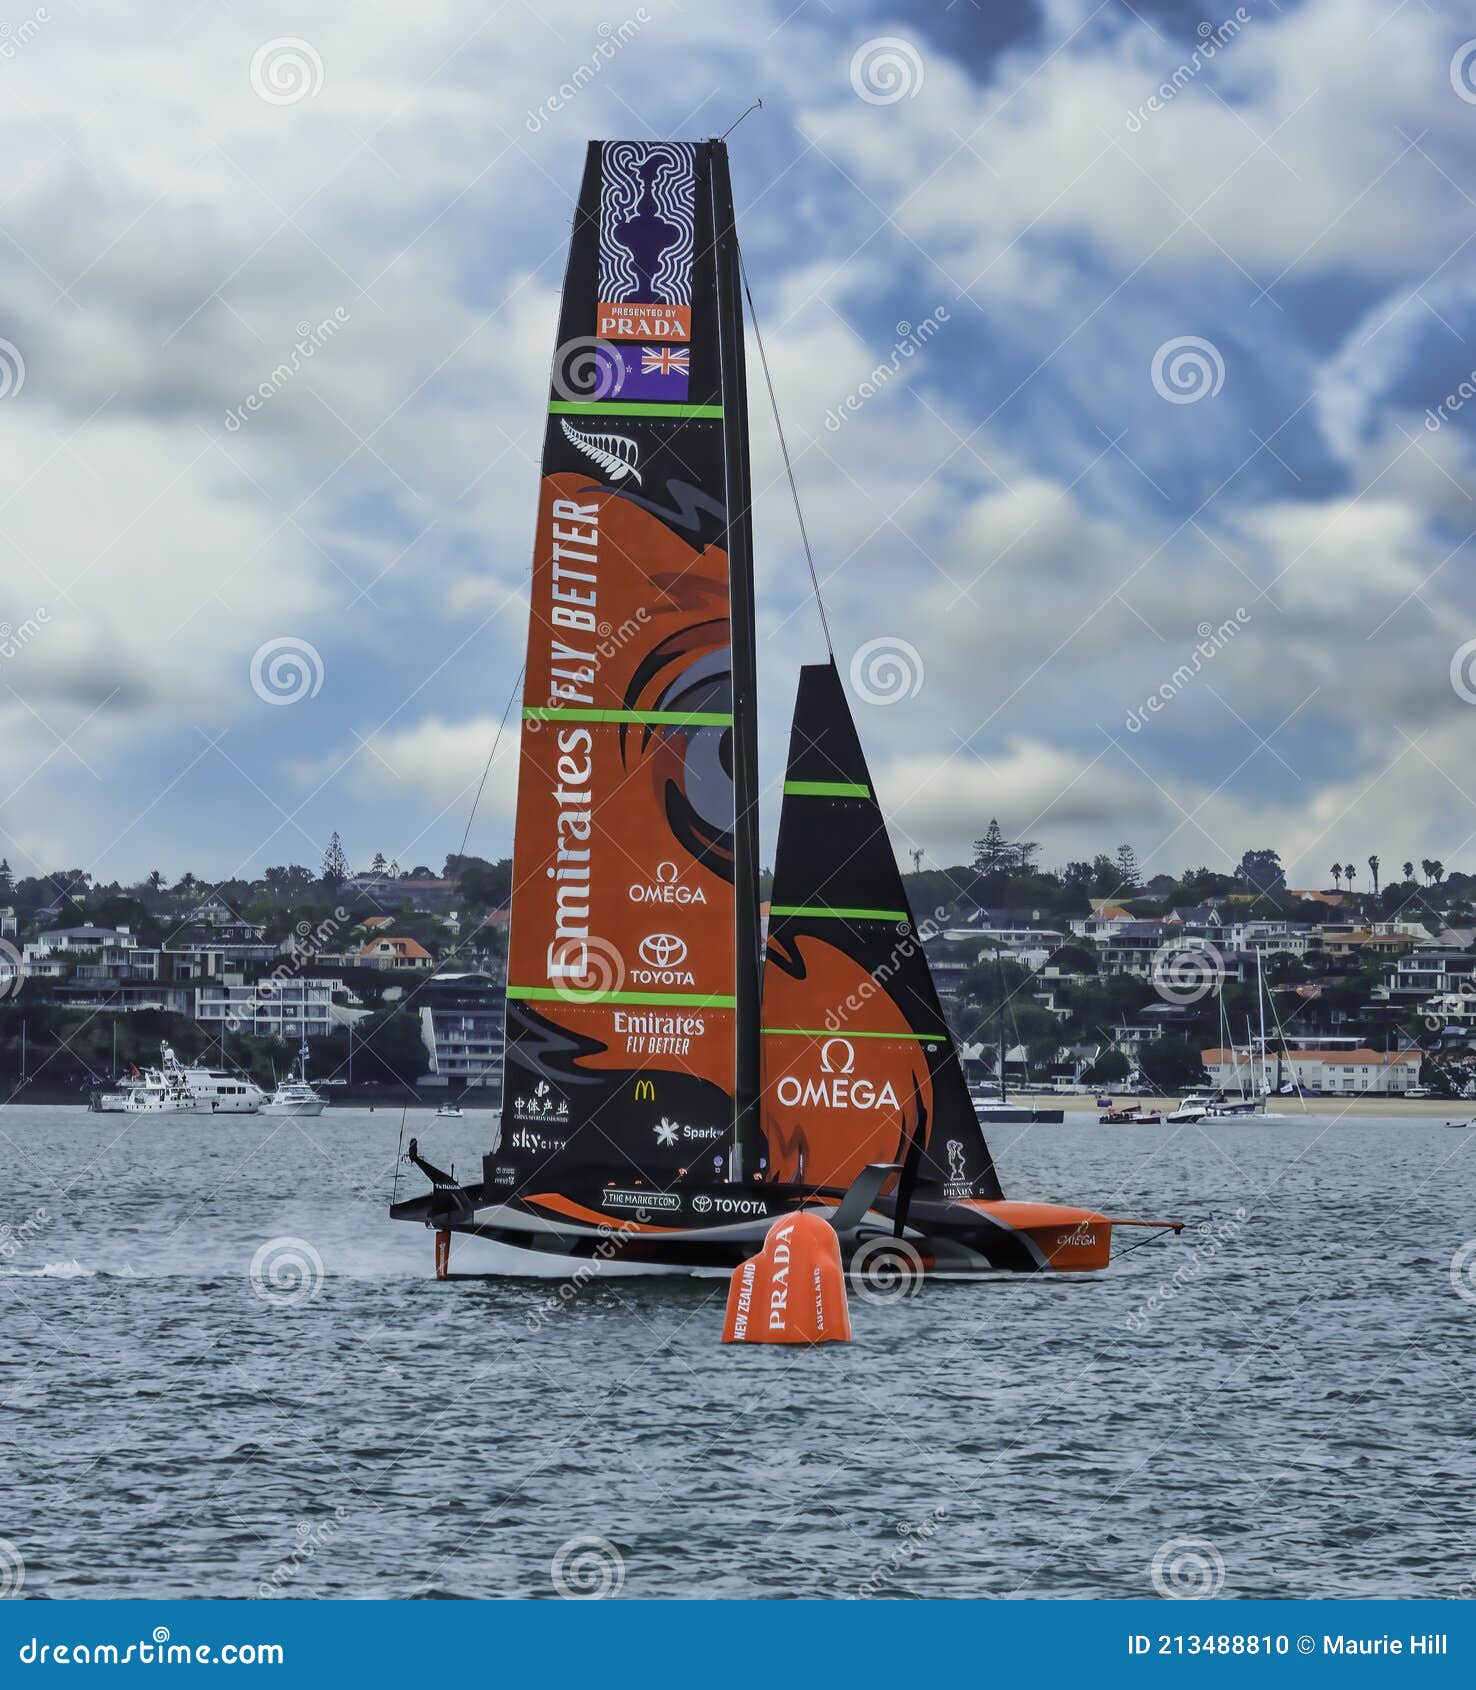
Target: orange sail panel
[(858, 1063), (624, 993)]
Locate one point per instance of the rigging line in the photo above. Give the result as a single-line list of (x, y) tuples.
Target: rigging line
[(784, 449), (490, 755), (756, 106)]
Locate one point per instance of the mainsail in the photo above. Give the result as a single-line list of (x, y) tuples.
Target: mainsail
[(632, 1041), (858, 1062)]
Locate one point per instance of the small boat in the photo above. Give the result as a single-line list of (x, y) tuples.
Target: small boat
[(1186, 1113), (159, 1093), (451, 1111), (1104, 1103), (1147, 1118), (294, 1096), (1117, 1117)]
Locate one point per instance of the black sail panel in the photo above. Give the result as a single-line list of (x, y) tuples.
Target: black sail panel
[(858, 1063)]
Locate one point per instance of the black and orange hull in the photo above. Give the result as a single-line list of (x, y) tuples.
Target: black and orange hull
[(712, 1229)]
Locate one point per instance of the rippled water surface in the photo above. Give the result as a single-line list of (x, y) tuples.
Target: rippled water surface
[(1293, 1388)]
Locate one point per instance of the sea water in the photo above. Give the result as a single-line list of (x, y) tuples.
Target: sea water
[(225, 1372)]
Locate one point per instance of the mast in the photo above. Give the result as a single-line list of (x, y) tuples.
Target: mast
[(1261, 1008), (999, 977), (746, 1068)]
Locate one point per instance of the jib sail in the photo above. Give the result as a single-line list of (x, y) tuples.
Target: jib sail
[(633, 954), (858, 1063)]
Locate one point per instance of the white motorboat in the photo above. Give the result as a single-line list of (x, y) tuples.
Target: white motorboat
[(452, 1111), (158, 1093), (294, 1096)]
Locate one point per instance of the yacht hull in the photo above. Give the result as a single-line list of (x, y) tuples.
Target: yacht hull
[(707, 1232), (293, 1108)]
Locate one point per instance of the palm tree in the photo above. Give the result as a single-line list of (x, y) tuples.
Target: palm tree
[(1409, 871), (1337, 874), (1348, 872), (1425, 866), (156, 879), (1437, 871), (1373, 869)]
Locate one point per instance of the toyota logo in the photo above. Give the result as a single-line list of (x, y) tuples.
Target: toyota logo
[(701, 1204), (663, 950)]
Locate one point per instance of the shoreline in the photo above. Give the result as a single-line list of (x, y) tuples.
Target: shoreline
[(1413, 1108)]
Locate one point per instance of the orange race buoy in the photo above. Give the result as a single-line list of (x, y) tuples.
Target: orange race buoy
[(793, 1291), (443, 1255)]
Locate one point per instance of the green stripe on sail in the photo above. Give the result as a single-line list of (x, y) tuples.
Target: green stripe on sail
[(824, 789), (681, 1000), (604, 408), (839, 915), (655, 718), (825, 1033)]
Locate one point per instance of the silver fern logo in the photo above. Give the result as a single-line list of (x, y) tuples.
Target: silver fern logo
[(616, 454)]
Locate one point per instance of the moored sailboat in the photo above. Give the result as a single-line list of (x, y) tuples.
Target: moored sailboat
[(660, 1108)]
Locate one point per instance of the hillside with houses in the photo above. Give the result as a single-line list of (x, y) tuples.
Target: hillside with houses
[(1091, 976)]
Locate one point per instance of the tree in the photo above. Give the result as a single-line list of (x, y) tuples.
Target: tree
[(335, 863), (1373, 869), (1261, 871), (1437, 871), (1409, 871), (1110, 1065), (1349, 870), (156, 879), (1126, 867), (4, 877), (379, 864), (991, 852), (1337, 874), (1171, 1066), (1426, 865)]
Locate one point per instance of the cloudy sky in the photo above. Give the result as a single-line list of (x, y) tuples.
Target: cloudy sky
[(1188, 300)]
